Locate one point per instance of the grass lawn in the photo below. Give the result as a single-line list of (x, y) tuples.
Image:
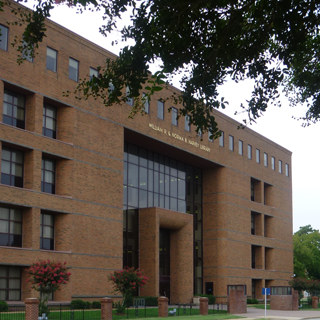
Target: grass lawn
[(258, 306)]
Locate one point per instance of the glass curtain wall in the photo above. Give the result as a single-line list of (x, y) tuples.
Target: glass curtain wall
[(153, 180)]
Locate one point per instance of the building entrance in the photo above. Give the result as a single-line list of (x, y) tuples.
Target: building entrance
[(164, 263)]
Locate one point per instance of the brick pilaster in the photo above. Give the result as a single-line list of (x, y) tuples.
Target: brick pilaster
[(32, 308), (163, 307), (315, 302), (204, 306), (106, 309)]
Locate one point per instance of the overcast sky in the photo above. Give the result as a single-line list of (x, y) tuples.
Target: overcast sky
[(277, 123)]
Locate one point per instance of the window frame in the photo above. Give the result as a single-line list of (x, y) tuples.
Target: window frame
[(11, 235), (231, 142), (160, 109), (45, 184), (44, 122), (249, 149), (42, 226), (55, 60), (146, 104), (174, 116), (280, 166), (286, 166), (257, 155), (240, 147), (8, 278), (4, 37), (72, 69), (14, 107), (273, 163), (13, 178), (92, 71), (221, 139), (187, 123), (265, 159), (130, 101)]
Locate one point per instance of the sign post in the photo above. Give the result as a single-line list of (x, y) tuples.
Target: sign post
[(265, 292)]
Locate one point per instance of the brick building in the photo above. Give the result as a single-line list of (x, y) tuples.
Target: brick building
[(84, 184)]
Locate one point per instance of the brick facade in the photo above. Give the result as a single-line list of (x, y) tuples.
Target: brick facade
[(87, 205), (237, 301)]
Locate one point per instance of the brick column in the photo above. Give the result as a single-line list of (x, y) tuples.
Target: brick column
[(295, 299), (203, 306), (106, 309), (315, 302), (162, 307), (32, 308)]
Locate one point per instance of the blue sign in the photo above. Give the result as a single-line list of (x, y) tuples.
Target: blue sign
[(263, 291)]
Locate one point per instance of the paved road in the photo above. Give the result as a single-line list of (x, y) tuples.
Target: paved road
[(254, 313)]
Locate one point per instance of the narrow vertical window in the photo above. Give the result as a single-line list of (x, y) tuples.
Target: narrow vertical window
[(209, 136), (10, 227), (48, 169), (160, 110), (146, 104), (252, 190), (253, 224), (26, 52), (49, 121), (93, 73), (12, 167), (51, 59), (14, 109), (73, 69), (10, 283), (265, 159), (257, 155), (129, 99), (186, 123), (221, 139), (287, 170), (249, 152), (273, 163), (241, 148), (4, 37), (231, 147), (174, 117), (47, 232), (280, 166)]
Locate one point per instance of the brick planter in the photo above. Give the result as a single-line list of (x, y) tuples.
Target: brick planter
[(32, 308), (203, 306), (106, 309), (163, 307)]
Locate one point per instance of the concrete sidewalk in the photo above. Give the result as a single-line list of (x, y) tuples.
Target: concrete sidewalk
[(254, 313)]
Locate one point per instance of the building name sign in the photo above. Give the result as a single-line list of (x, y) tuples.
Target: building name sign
[(178, 137)]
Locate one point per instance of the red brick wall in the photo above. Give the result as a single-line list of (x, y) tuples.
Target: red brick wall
[(237, 301)]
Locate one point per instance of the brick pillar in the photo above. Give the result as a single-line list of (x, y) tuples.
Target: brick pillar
[(106, 309), (203, 306), (295, 299), (163, 307), (315, 302), (32, 308)]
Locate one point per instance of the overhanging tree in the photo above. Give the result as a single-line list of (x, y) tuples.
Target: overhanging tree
[(274, 43)]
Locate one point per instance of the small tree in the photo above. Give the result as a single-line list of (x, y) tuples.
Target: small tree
[(127, 281), (46, 277)]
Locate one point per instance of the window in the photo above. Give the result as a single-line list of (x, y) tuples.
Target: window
[(287, 170), (237, 287), (73, 69), (146, 104), (14, 109), (199, 133), (280, 166), (253, 224), (129, 100), (241, 148), (51, 59), (253, 257), (186, 123), (281, 291), (49, 121), (26, 52), (47, 231), (231, 143), (209, 136), (48, 175), (10, 283), (93, 73), (10, 227), (12, 167), (174, 117), (160, 110), (257, 155), (265, 159), (221, 139), (249, 152), (272, 163), (4, 37), (252, 189)]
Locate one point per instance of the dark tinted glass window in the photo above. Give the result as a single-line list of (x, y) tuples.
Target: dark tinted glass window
[(14, 109), (12, 167)]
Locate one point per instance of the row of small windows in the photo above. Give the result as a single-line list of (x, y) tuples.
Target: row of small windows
[(12, 170), (52, 57), (11, 220)]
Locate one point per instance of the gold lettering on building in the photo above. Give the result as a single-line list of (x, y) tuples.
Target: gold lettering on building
[(180, 138)]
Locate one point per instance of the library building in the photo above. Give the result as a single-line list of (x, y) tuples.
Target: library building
[(82, 183)]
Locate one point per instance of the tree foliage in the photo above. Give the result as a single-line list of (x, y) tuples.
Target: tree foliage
[(306, 253), (274, 43)]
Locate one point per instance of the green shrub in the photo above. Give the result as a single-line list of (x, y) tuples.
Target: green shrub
[(252, 301), (80, 304), (119, 307), (212, 299), (4, 306), (96, 305)]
